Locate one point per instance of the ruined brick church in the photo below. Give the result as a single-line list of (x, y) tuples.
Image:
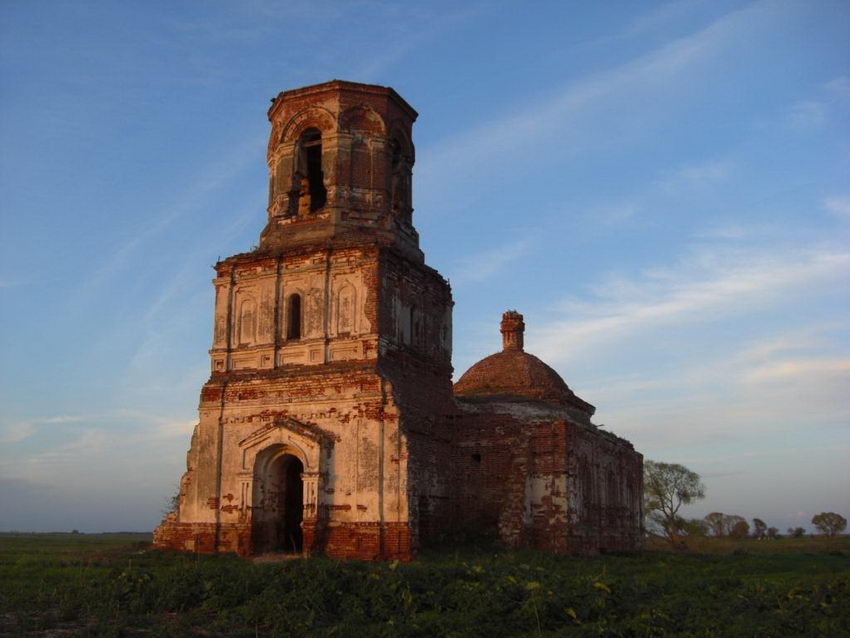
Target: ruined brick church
[(330, 424)]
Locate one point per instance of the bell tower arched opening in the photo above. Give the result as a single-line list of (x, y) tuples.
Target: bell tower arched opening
[(310, 167)]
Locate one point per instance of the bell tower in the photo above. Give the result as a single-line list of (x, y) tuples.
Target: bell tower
[(331, 353), (340, 157)]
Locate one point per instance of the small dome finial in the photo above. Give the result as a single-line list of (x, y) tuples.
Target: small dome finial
[(512, 328)]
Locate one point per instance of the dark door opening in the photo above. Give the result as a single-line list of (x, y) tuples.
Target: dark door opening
[(291, 506), (278, 506)]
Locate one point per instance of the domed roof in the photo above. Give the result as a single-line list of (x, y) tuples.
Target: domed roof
[(516, 375)]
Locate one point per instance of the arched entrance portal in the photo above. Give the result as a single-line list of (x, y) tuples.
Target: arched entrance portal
[(278, 503)]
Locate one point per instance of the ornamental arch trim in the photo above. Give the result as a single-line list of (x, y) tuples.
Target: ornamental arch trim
[(312, 117)]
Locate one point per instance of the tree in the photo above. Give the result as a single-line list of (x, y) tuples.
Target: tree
[(715, 523), (173, 503), (722, 524), (772, 532), (738, 527), (695, 527), (829, 523), (759, 528), (666, 487), (796, 532)]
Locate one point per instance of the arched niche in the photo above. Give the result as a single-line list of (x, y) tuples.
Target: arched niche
[(247, 320), (364, 120), (345, 315)]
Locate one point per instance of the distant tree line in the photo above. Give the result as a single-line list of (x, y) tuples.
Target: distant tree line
[(668, 486)]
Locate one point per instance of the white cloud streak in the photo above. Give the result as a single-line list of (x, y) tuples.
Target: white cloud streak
[(212, 179), (696, 176), (808, 115), (816, 113), (613, 216), (839, 205), (530, 124), (151, 426), (839, 88), (709, 285), (800, 370), (724, 231), (485, 265), (659, 17), (22, 430)]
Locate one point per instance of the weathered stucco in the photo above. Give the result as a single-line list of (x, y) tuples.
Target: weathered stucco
[(329, 422)]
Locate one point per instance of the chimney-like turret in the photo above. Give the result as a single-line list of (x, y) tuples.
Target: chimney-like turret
[(512, 328)]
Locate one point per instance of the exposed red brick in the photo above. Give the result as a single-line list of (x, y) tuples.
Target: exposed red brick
[(332, 353)]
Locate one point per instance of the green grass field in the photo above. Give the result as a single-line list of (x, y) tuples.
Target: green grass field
[(105, 585)]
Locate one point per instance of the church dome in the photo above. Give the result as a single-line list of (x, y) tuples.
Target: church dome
[(516, 375)]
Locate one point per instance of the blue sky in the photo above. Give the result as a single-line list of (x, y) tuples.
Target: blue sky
[(660, 188)]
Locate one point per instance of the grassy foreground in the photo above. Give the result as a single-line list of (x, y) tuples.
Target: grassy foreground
[(102, 585)]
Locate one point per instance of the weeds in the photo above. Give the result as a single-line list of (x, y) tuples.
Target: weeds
[(89, 585)]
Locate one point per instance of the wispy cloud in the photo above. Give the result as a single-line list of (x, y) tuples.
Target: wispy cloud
[(543, 119), (729, 230), (15, 432), (22, 430), (839, 88), (94, 445), (710, 283), (696, 176), (484, 265), (840, 205), (800, 369), (734, 393), (657, 18), (151, 426), (807, 115), (815, 113), (410, 27), (212, 178), (613, 215)]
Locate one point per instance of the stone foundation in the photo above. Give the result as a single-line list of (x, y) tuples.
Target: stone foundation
[(349, 541)]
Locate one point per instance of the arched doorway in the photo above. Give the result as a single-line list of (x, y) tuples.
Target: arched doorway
[(278, 503)]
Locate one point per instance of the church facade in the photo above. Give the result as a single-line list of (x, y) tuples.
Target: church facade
[(330, 423)]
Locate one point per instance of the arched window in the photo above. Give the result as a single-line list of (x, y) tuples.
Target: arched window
[(293, 317), (310, 166)]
